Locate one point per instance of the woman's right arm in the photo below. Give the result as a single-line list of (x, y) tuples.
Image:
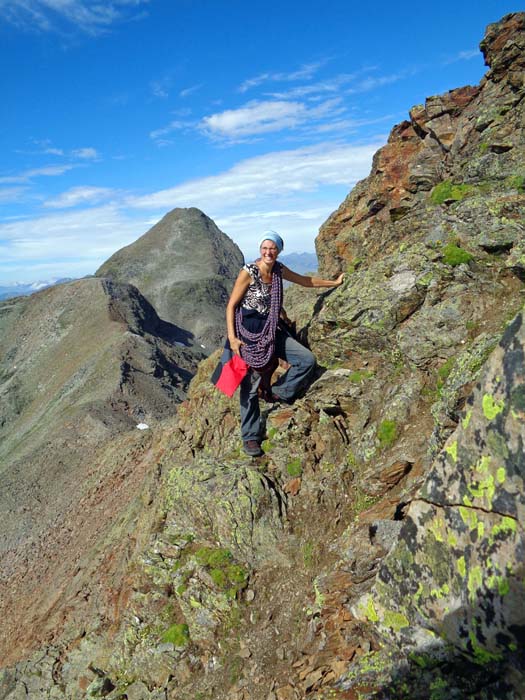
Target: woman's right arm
[(242, 283)]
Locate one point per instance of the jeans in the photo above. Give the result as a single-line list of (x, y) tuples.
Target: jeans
[(302, 363)]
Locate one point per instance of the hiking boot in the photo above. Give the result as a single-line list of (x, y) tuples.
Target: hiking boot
[(252, 448)]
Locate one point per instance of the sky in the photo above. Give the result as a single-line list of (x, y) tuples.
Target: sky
[(263, 114)]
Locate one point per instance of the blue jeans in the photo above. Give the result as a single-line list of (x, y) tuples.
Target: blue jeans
[(302, 363)]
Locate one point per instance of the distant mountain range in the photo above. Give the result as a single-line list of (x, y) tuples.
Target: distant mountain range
[(23, 289), (300, 262)]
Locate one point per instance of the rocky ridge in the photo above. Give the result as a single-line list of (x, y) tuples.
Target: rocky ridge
[(272, 580), (82, 364), (453, 172)]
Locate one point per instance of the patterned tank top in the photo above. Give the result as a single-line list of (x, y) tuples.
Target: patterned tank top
[(259, 294)]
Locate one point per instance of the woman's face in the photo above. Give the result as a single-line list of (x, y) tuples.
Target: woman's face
[(269, 251)]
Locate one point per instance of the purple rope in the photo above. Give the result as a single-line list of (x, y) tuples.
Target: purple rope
[(262, 344)]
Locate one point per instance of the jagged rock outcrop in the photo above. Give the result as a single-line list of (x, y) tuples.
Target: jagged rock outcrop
[(244, 584), (185, 266), (455, 170), (453, 586)]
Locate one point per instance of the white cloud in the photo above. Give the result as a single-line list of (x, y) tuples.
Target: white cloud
[(352, 125), (331, 85), (85, 153), (48, 171), (160, 88), (267, 116), (373, 82), (272, 175), (61, 243), (304, 73), (12, 194), (189, 91), (159, 135), (90, 17), (254, 118), (80, 154), (254, 82), (46, 148), (80, 195), (45, 171), (467, 55)]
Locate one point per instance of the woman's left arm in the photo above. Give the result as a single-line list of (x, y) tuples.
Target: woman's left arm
[(306, 281)]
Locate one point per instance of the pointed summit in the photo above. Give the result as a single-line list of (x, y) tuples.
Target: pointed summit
[(185, 266)]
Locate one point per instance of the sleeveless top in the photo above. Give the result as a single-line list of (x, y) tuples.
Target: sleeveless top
[(258, 296), (259, 343)]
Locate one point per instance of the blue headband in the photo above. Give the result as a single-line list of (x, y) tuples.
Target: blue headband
[(274, 237)]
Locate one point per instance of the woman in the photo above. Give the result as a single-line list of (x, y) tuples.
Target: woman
[(254, 332)]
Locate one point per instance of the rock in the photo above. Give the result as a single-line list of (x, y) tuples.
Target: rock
[(392, 474), (385, 533), (293, 486), (456, 576), (227, 503), (137, 691), (281, 653), (286, 692)]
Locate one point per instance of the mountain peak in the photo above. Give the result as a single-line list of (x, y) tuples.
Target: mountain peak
[(185, 266)]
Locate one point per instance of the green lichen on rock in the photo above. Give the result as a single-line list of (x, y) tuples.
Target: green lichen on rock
[(371, 612), (516, 182), (228, 503), (452, 376), (453, 255), (387, 433), (492, 407), (447, 190), (178, 635), (395, 620), (295, 467), (465, 579), (452, 450), (360, 375), (466, 420)]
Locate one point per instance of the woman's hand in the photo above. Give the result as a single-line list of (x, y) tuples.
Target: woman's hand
[(307, 281), (235, 345)]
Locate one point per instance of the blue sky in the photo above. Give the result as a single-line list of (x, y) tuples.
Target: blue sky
[(262, 114)]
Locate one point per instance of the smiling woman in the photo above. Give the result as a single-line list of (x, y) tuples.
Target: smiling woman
[(259, 334)]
